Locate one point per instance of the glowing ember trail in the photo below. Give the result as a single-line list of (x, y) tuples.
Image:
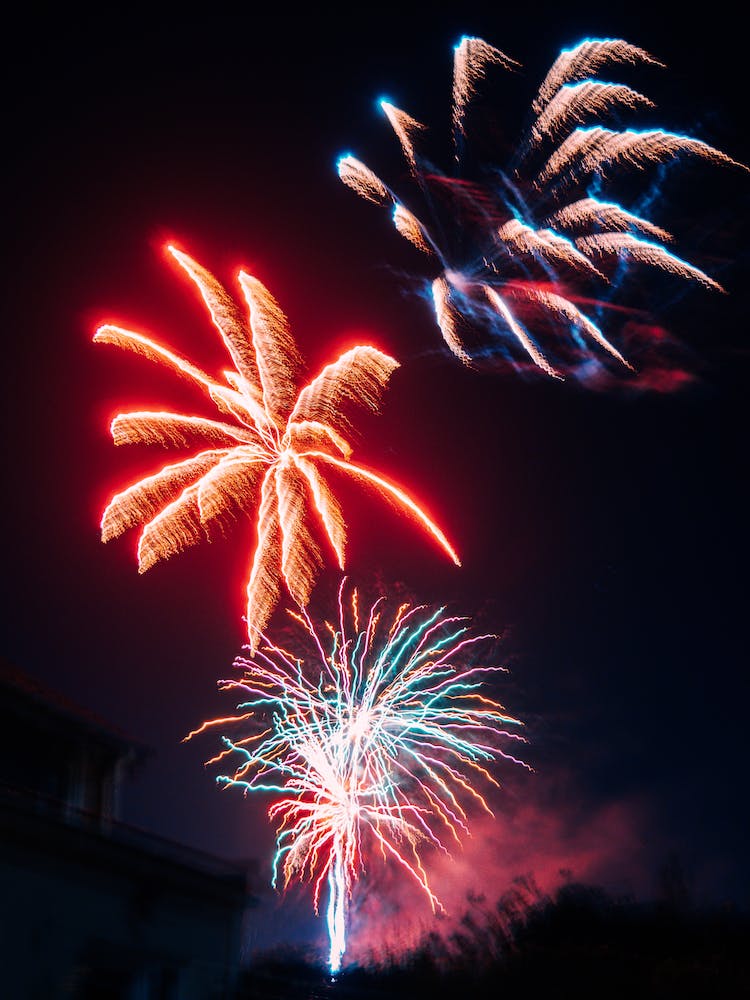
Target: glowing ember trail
[(269, 456), (519, 249), (371, 743)]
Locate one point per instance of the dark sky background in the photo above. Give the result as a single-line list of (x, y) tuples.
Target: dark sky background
[(604, 532)]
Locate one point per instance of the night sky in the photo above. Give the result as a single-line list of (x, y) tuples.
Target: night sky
[(603, 533)]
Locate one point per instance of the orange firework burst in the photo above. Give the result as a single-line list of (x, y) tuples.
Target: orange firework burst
[(268, 453)]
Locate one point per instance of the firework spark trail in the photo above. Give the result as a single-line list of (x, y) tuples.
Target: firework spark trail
[(269, 458), (585, 150), (537, 220), (584, 59), (575, 102), (362, 180), (606, 215), (627, 245), (448, 318), (371, 742), (406, 129), (518, 238), (471, 58)]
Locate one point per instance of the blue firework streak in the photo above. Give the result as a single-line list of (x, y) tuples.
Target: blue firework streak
[(374, 741), (534, 247)]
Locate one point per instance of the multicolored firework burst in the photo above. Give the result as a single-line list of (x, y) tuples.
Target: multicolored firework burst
[(519, 250), (371, 742), (272, 453)]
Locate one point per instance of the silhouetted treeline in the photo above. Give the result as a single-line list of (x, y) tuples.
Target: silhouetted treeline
[(581, 942)]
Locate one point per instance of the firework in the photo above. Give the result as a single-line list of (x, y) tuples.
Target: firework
[(371, 743), (267, 453), (519, 250)]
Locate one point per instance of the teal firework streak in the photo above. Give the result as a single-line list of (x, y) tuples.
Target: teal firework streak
[(373, 741)]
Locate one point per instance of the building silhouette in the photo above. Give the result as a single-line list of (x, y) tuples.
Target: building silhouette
[(91, 907)]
